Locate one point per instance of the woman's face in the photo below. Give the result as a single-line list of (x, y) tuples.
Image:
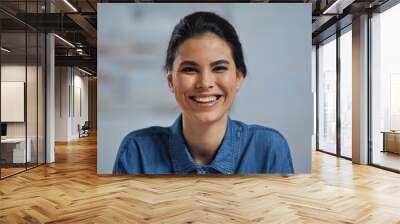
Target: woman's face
[(204, 78)]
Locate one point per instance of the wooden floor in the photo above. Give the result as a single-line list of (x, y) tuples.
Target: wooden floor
[(70, 191), (387, 159), (5, 172), (10, 171)]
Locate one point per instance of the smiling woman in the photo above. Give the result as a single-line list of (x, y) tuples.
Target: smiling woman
[(205, 69)]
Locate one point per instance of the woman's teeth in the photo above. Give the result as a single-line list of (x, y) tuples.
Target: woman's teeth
[(207, 99)]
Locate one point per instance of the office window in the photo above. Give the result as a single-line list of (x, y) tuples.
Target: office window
[(327, 95), (385, 88), (346, 92), (314, 91)]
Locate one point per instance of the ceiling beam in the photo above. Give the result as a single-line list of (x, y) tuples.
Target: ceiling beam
[(86, 26), (82, 61), (337, 6)]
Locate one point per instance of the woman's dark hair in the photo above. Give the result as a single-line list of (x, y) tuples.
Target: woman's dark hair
[(202, 22)]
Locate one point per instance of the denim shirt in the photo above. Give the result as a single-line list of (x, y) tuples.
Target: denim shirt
[(245, 149)]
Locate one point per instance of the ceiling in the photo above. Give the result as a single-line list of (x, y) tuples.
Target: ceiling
[(76, 22)]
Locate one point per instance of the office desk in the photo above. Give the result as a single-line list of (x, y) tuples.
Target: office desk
[(391, 141), (15, 148)]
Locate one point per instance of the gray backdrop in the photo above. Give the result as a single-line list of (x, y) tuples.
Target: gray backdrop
[(133, 91)]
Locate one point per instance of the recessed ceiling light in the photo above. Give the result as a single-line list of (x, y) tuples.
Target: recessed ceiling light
[(5, 49), (71, 6), (64, 40), (84, 71), (338, 6)]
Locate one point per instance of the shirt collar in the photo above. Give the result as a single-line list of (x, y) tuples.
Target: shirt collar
[(225, 161)]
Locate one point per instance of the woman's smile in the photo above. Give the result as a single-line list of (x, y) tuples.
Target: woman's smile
[(206, 100)]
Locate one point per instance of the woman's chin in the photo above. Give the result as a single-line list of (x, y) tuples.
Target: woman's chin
[(207, 117)]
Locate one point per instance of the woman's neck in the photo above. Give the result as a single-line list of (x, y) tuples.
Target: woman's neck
[(204, 139)]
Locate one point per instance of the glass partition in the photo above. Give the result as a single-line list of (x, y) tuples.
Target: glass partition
[(22, 88), (33, 64), (13, 91)]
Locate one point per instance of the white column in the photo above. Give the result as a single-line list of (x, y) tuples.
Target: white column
[(50, 81), (50, 91), (360, 90)]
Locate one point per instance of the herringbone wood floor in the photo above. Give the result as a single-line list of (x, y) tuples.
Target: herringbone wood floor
[(70, 191)]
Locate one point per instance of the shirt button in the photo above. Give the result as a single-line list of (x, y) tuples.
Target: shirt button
[(201, 171)]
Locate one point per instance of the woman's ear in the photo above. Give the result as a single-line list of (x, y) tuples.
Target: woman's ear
[(170, 81), (239, 79)]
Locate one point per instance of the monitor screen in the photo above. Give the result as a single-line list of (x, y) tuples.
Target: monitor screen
[(139, 91), (3, 129)]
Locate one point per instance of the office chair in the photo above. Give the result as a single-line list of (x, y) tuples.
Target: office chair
[(84, 130)]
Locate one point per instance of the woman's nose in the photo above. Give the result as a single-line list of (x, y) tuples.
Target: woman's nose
[(205, 80)]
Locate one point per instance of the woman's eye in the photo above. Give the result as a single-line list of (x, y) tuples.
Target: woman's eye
[(220, 69), (188, 70)]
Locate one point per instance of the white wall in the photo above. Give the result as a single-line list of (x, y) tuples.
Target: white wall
[(69, 84), (81, 89), (61, 103), (16, 73)]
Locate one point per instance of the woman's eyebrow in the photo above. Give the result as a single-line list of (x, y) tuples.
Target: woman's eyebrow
[(192, 63), (222, 61)]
